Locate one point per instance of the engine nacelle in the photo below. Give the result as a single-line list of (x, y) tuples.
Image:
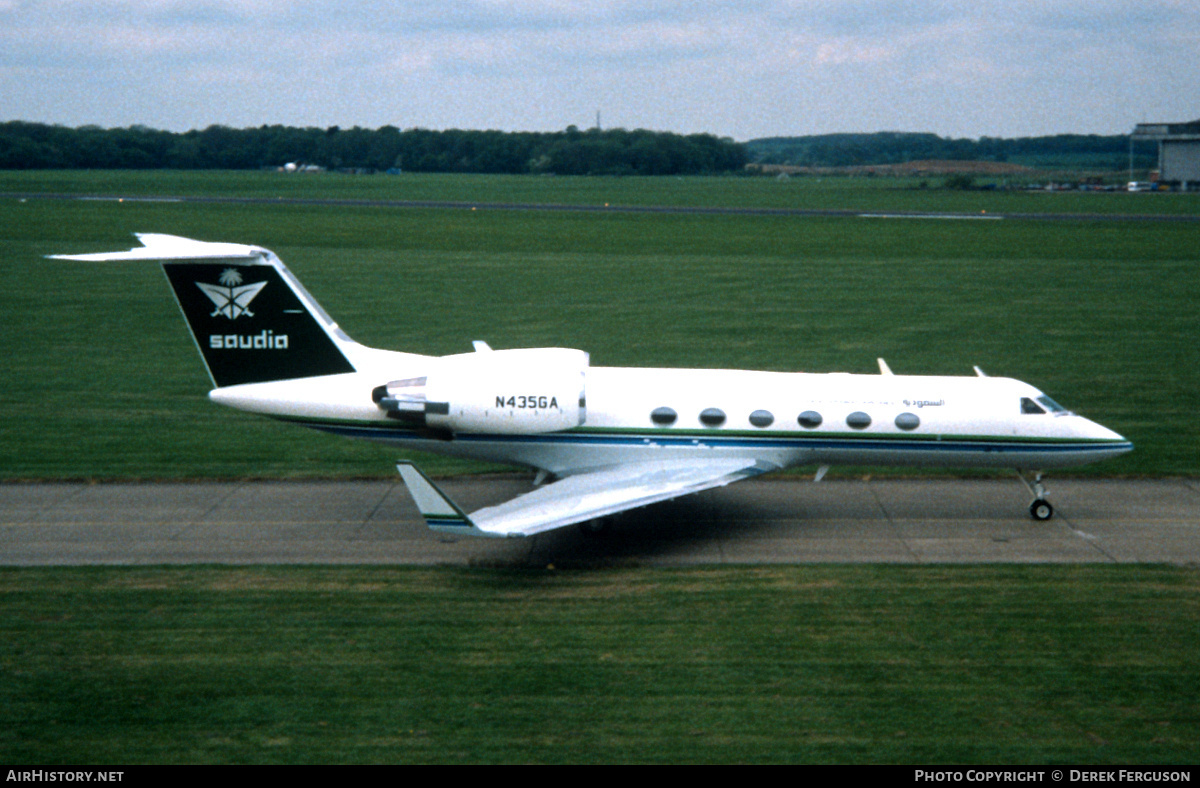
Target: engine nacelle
[(522, 391)]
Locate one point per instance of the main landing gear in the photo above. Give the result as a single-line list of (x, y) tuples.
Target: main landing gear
[(1040, 509), (598, 528)]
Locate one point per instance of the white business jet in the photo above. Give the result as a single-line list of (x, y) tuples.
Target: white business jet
[(609, 438)]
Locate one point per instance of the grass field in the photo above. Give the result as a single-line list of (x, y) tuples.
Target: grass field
[(811, 193), (1035, 665), (864, 664), (103, 381)]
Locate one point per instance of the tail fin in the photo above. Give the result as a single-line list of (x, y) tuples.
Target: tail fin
[(251, 318)]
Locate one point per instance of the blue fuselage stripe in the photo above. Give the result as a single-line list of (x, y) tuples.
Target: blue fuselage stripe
[(929, 444)]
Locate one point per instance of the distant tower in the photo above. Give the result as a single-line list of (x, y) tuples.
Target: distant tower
[(598, 120)]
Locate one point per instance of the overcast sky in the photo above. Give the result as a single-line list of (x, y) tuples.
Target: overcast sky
[(744, 69)]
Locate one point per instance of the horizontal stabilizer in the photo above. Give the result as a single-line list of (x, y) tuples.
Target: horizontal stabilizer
[(578, 498), (159, 246), (251, 319)]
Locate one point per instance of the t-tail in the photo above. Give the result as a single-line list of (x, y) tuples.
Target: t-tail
[(250, 317)]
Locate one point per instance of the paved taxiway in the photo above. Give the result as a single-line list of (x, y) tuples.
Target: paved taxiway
[(757, 521)]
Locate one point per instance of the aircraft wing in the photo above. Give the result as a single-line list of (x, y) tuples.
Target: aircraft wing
[(578, 498)]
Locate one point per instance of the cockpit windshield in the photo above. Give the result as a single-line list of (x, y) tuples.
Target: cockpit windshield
[(1043, 405), (1051, 405)]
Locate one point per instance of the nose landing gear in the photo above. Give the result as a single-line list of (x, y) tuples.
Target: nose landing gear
[(1040, 509)]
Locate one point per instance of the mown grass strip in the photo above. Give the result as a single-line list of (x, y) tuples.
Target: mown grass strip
[(803, 193), (1029, 664)]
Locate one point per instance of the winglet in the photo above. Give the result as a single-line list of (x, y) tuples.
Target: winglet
[(440, 513)]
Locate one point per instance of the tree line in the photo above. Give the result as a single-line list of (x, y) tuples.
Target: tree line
[(1062, 151), (571, 152)]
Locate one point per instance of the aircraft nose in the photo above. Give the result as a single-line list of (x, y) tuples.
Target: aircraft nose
[(1106, 433), (1119, 444)]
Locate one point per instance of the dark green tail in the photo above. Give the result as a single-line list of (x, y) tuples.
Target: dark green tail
[(250, 325)]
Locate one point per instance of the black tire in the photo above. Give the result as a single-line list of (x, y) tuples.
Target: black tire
[(1041, 510)]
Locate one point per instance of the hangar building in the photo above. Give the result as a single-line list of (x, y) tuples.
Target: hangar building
[(1178, 151)]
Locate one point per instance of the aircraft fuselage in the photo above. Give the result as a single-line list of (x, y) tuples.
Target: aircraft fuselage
[(785, 419)]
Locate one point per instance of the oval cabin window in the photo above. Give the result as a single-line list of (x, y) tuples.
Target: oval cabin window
[(858, 420), (712, 417), (664, 417), (810, 419), (908, 421), (762, 418)]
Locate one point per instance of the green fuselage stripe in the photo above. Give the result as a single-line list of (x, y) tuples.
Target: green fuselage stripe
[(715, 435)]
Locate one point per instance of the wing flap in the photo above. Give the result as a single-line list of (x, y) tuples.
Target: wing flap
[(581, 497)]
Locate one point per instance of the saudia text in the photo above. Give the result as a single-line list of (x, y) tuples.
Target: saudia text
[(267, 340), (533, 401)]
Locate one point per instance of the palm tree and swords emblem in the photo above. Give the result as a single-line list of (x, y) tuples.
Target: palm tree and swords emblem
[(231, 298)]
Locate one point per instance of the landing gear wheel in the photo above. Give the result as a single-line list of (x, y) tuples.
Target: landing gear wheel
[(1041, 510)]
